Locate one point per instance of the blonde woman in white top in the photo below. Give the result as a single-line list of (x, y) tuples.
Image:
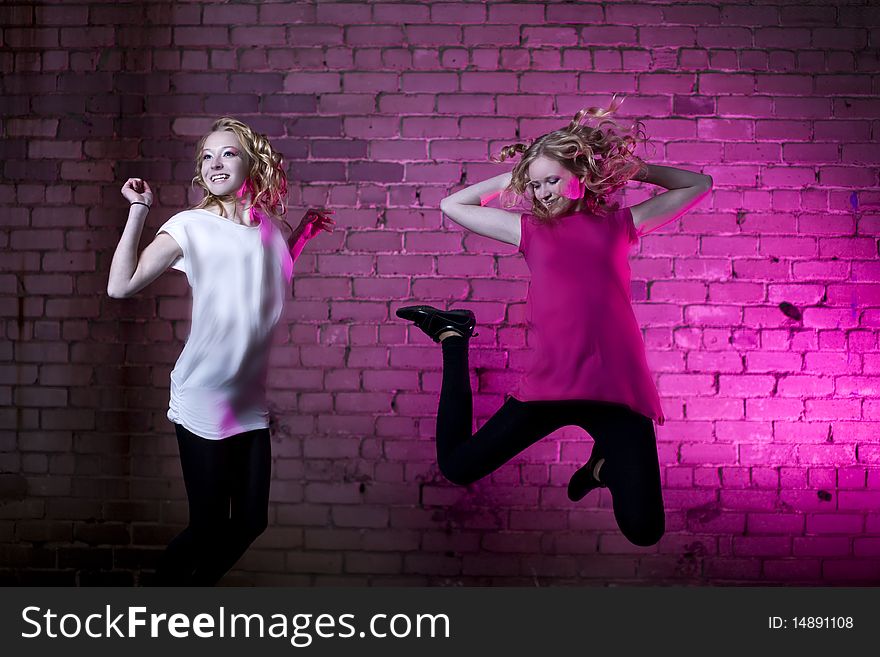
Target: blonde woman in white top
[(239, 265)]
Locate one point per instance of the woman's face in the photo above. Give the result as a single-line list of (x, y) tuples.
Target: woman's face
[(552, 186), (224, 164)]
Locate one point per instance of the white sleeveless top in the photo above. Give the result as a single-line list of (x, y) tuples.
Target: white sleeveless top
[(239, 276)]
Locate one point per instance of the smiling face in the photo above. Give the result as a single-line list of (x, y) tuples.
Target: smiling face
[(552, 186), (224, 165)]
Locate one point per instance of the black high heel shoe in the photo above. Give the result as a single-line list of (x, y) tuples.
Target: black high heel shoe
[(583, 480), (434, 322)]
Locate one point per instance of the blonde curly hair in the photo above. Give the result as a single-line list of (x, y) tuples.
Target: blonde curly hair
[(601, 156), (266, 183)]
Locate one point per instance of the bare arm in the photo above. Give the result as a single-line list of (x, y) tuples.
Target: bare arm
[(465, 208), (128, 273), (313, 222), (686, 189)]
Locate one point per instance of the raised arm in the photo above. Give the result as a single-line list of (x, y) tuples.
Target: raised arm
[(686, 189), (128, 273), (465, 208)]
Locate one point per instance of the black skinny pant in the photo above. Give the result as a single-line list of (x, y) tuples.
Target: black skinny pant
[(624, 438), (227, 485)]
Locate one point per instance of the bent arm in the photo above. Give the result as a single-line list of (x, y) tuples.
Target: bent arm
[(310, 226), (296, 242), (686, 189), (130, 274), (465, 208)]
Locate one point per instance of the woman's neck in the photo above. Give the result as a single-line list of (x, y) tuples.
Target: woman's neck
[(235, 210), (572, 207)]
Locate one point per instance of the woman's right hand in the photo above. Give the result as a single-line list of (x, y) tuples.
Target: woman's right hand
[(136, 190)]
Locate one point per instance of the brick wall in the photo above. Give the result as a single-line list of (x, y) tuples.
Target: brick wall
[(760, 308)]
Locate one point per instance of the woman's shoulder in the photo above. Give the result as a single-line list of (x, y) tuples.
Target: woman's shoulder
[(529, 223), (284, 228), (184, 221), (189, 214), (622, 220)]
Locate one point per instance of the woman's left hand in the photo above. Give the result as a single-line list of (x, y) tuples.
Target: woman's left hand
[(313, 222)]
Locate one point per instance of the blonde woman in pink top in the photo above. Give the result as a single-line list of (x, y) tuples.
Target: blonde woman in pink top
[(589, 367)]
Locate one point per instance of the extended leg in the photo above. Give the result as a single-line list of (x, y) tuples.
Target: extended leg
[(463, 458)]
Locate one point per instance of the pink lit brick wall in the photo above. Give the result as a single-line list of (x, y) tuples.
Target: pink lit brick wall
[(770, 459)]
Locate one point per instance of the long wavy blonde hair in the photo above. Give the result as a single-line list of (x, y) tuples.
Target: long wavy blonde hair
[(266, 183), (600, 155)]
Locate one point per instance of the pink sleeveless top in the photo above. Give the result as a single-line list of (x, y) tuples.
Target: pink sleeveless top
[(587, 343)]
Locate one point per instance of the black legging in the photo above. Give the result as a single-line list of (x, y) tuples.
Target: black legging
[(227, 484), (624, 438)]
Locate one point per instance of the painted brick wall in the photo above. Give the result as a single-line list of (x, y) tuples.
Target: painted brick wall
[(760, 308)]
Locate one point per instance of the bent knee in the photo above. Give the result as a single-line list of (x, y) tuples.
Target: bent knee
[(251, 529), (645, 535), (645, 539), (256, 527), (457, 475)]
